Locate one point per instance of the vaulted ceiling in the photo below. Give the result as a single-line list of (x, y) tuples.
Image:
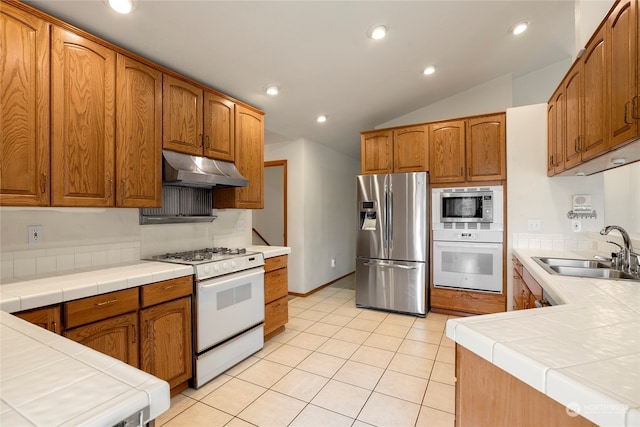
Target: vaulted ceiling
[(319, 54)]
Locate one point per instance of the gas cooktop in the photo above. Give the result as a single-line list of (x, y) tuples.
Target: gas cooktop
[(202, 256)]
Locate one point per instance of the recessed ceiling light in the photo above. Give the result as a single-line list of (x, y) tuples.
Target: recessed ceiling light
[(429, 70), (121, 6), (272, 90), (321, 118), (519, 28), (377, 32)]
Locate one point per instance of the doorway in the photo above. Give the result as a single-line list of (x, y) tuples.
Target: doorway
[(270, 223)]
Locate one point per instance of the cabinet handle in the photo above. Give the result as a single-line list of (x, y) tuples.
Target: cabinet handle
[(169, 287), (146, 326), (55, 327), (201, 139), (208, 144), (133, 329), (123, 188), (625, 113), (110, 188), (469, 172), (551, 161), (633, 107), (44, 183), (111, 301)]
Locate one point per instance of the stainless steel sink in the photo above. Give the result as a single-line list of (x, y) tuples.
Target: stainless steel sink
[(583, 268)]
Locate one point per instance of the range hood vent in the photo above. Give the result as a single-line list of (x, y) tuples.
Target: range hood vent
[(181, 205), (195, 171)]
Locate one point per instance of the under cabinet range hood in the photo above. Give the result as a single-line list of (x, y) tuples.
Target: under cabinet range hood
[(194, 171), (181, 205)]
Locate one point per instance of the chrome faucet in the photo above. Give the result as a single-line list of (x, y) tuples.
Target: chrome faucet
[(629, 261)]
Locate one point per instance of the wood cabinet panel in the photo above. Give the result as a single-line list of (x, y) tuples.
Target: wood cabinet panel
[(181, 116), (556, 136), (376, 152), (46, 317), (410, 149), (166, 348), (116, 337), (83, 121), (447, 152), (24, 109), (276, 284), (219, 127), (573, 116), (624, 57), (138, 135), (249, 161), (486, 148), (87, 310), (166, 290), (487, 395), (467, 301), (276, 314), (596, 95), (275, 263)]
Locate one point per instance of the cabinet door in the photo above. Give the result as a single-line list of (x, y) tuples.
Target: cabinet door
[(249, 161), (181, 116), (623, 66), (376, 152), (46, 317), (138, 135), (83, 121), (116, 337), (276, 314), (555, 129), (219, 127), (24, 109), (446, 152), (166, 350), (486, 148), (410, 149), (572, 116), (596, 97)]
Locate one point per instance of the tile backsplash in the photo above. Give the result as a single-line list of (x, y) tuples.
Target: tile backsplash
[(47, 261)]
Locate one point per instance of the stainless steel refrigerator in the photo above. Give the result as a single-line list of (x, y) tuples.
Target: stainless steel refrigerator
[(391, 249)]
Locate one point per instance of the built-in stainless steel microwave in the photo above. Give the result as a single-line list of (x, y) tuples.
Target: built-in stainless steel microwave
[(467, 205)]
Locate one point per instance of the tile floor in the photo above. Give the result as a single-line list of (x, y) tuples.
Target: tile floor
[(335, 365)]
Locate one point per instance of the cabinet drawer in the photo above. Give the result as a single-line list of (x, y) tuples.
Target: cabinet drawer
[(276, 284), (166, 290), (275, 263), (276, 314), (100, 307)]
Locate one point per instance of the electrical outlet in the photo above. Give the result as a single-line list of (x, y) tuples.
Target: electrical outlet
[(35, 234), (576, 226), (533, 225), (240, 224), (333, 263)]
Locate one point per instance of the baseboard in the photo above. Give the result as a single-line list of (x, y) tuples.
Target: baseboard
[(296, 294)]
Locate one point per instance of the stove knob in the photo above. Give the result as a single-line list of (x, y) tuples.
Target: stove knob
[(225, 266), (207, 269), (233, 264), (216, 268)]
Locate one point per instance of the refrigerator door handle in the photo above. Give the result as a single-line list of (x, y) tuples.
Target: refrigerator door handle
[(383, 265), (390, 219)]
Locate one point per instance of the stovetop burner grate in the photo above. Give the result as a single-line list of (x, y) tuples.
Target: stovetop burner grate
[(200, 255)]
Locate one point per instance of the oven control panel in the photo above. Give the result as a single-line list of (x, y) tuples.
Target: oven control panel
[(231, 265)]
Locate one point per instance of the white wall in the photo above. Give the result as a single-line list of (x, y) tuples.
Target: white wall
[(269, 222), (622, 198), (321, 206), (538, 86)]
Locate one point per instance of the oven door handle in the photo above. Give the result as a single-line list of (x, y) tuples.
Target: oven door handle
[(217, 281), (465, 244), (379, 264)]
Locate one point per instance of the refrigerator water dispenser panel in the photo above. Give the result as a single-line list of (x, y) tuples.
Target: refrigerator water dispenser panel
[(368, 215)]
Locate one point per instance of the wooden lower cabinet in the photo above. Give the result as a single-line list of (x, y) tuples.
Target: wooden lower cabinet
[(526, 290), (45, 317), (488, 396), (116, 337), (466, 302), (276, 291), (165, 343)]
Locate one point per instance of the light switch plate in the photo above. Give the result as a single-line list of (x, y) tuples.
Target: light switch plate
[(533, 225)]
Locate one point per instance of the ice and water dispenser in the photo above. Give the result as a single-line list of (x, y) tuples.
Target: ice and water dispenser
[(368, 215)]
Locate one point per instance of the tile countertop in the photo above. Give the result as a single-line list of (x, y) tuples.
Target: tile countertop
[(584, 352), (271, 251), (49, 380)]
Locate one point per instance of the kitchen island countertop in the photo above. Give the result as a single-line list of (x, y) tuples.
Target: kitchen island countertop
[(584, 352)]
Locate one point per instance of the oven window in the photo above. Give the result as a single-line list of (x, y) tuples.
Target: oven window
[(467, 263), (462, 207)]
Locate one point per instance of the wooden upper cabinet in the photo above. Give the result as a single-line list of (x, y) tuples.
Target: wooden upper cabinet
[(181, 116), (595, 96), (249, 147), (83, 121), (138, 135), (219, 127), (573, 116), (555, 129), (376, 152), (410, 149), (624, 57), (486, 148), (24, 108), (447, 152)]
